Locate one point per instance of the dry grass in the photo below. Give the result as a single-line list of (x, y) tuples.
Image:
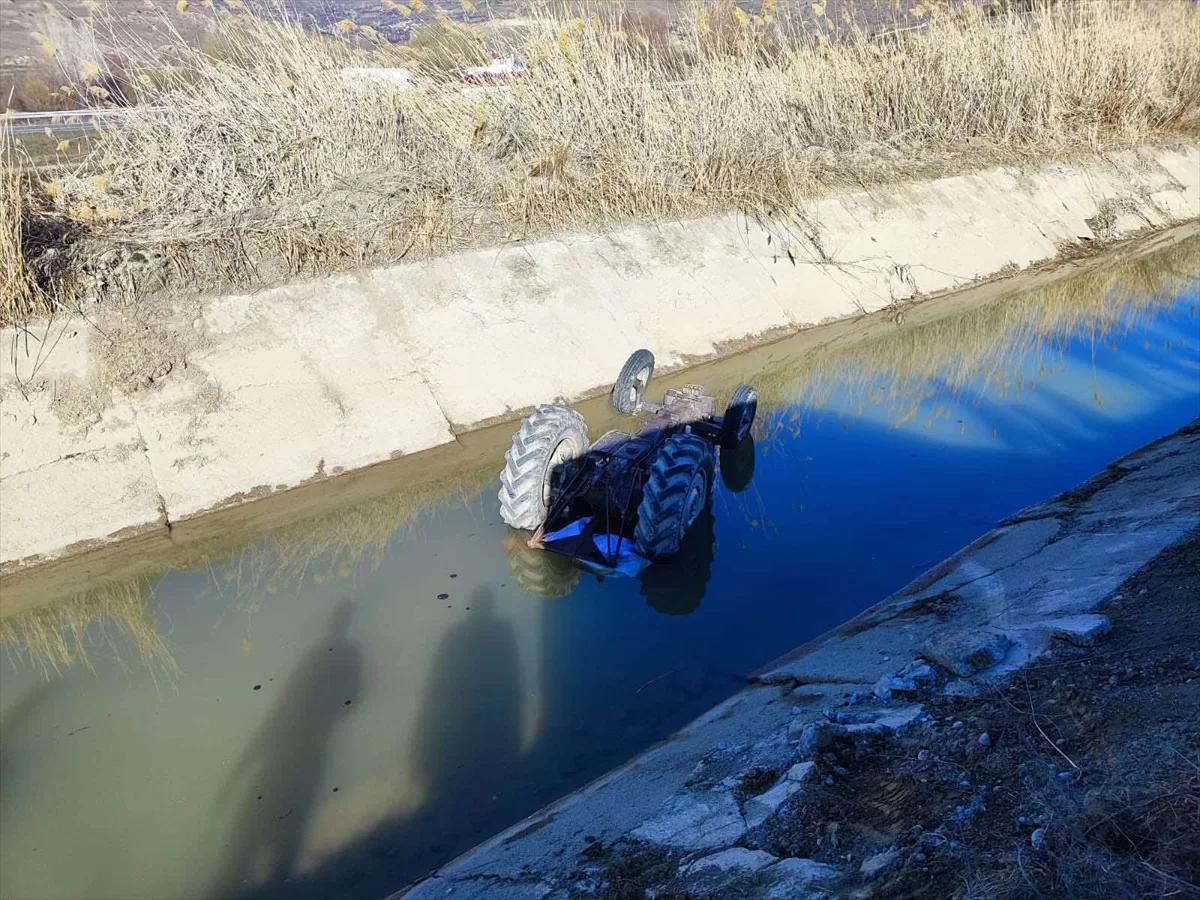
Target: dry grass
[(18, 288), (269, 164), (115, 616)]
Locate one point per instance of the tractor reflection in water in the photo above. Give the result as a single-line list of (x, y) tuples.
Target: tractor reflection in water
[(629, 504)]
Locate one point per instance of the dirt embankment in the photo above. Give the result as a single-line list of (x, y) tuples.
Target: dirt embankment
[(1078, 778)]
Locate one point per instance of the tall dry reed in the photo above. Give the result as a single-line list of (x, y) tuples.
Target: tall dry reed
[(19, 294), (263, 164)]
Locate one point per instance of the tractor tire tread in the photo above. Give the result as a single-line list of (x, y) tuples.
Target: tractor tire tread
[(522, 478), (658, 532)]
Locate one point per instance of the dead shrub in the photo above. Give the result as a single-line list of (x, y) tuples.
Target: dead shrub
[(20, 297)]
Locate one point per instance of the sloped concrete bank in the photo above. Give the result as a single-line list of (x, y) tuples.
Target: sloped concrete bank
[(698, 806), (132, 420)]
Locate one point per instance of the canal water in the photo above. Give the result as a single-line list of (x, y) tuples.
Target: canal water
[(341, 704)]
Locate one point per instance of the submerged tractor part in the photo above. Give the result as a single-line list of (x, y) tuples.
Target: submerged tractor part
[(628, 499), (737, 466), (675, 586), (546, 576)]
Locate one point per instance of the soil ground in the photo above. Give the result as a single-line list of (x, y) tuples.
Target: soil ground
[(1087, 784)]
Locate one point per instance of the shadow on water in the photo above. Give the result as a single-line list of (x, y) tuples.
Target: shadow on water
[(278, 773), (468, 734), (14, 722), (464, 752)]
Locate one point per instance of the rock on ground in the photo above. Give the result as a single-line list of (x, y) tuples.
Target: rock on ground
[(695, 822), (966, 653)]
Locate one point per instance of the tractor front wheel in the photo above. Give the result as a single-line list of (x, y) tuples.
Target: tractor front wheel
[(630, 386), (739, 416)]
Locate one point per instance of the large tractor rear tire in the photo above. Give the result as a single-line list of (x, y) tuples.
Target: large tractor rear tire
[(676, 492), (548, 437)]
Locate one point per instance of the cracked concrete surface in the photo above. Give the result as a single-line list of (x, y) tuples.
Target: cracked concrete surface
[(307, 380), (1046, 575)]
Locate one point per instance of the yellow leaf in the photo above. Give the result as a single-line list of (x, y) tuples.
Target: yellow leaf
[(96, 91), (917, 11), (52, 10), (272, 588), (111, 214), (182, 6), (48, 131), (818, 9), (287, 83), (346, 26), (419, 6), (61, 146), (467, 6), (367, 31), (739, 16), (88, 71)]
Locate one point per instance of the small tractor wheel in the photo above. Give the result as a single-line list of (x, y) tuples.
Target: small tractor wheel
[(546, 576), (548, 437), (739, 416), (630, 386), (677, 490)]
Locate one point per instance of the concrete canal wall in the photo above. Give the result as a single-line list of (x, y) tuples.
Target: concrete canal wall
[(125, 421)]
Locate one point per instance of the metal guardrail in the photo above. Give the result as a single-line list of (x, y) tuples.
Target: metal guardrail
[(64, 115)]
